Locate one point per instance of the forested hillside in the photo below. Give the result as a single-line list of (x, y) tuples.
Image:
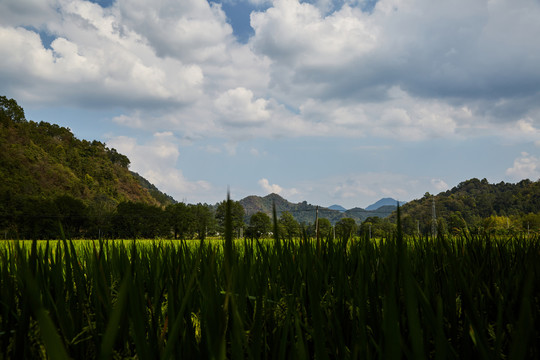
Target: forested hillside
[(51, 180), (47, 173), (477, 205)]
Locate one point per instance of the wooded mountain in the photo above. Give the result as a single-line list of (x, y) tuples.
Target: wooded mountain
[(304, 212), (48, 174), (44, 160), (477, 203)]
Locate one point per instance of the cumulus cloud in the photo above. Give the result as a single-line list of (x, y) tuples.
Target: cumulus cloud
[(439, 185), (526, 166), (407, 70), (156, 160), (275, 188), (238, 108), (413, 46)]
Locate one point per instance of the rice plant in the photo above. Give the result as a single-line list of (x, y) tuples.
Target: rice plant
[(444, 298)]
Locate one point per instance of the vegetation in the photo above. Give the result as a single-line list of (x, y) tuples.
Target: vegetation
[(259, 225), (461, 297), (44, 168), (472, 291), (51, 178), (477, 206)]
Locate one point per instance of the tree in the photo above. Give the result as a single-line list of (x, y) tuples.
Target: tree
[(10, 111), (180, 219), (73, 214), (37, 218), (259, 225), (203, 220), (237, 215), (325, 228), (289, 225), (139, 220), (346, 228), (117, 158)]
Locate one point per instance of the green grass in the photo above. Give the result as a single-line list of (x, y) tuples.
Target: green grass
[(467, 297)]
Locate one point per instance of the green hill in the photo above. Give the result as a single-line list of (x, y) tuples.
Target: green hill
[(476, 204), (43, 160)]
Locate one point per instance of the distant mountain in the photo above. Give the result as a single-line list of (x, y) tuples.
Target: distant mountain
[(384, 202), (304, 212), (338, 208)]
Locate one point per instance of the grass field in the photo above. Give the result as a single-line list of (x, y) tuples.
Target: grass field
[(445, 298)]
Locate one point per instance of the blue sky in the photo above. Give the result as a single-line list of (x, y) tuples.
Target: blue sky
[(329, 101)]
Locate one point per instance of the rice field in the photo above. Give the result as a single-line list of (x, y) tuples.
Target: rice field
[(416, 298)]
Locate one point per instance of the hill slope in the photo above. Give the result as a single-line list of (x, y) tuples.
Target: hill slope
[(45, 160), (474, 202)]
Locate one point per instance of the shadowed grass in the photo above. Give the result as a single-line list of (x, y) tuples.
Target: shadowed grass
[(444, 298)]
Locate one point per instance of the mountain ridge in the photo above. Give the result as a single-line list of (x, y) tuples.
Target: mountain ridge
[(387, 201), (304, 212)]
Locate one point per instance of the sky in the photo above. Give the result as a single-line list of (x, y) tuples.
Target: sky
[(329, 101)]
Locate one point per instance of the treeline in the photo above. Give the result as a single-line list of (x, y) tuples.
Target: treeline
[(24, 217), (53, 218)]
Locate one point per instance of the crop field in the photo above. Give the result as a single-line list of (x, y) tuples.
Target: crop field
[(444, 298)]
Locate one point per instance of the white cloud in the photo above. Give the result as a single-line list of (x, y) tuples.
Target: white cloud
[(238, 108), (526, 166), (270, 188), (190, 30), (407, 70), (439, 185), (94, 58), (275, 188), (156, 160)]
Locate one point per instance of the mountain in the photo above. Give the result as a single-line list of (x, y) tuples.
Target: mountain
[(45, 161), (478, 204), (304, 212), (338, 208), (384, 202)]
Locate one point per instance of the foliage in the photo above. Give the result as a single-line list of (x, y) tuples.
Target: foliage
[(346, 228), (259, 225), (462, 297), (289, 226), (237, 216), (477, 206), (204, 220), (46, 160), (181, 220), (377, 227), (325, 227)]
